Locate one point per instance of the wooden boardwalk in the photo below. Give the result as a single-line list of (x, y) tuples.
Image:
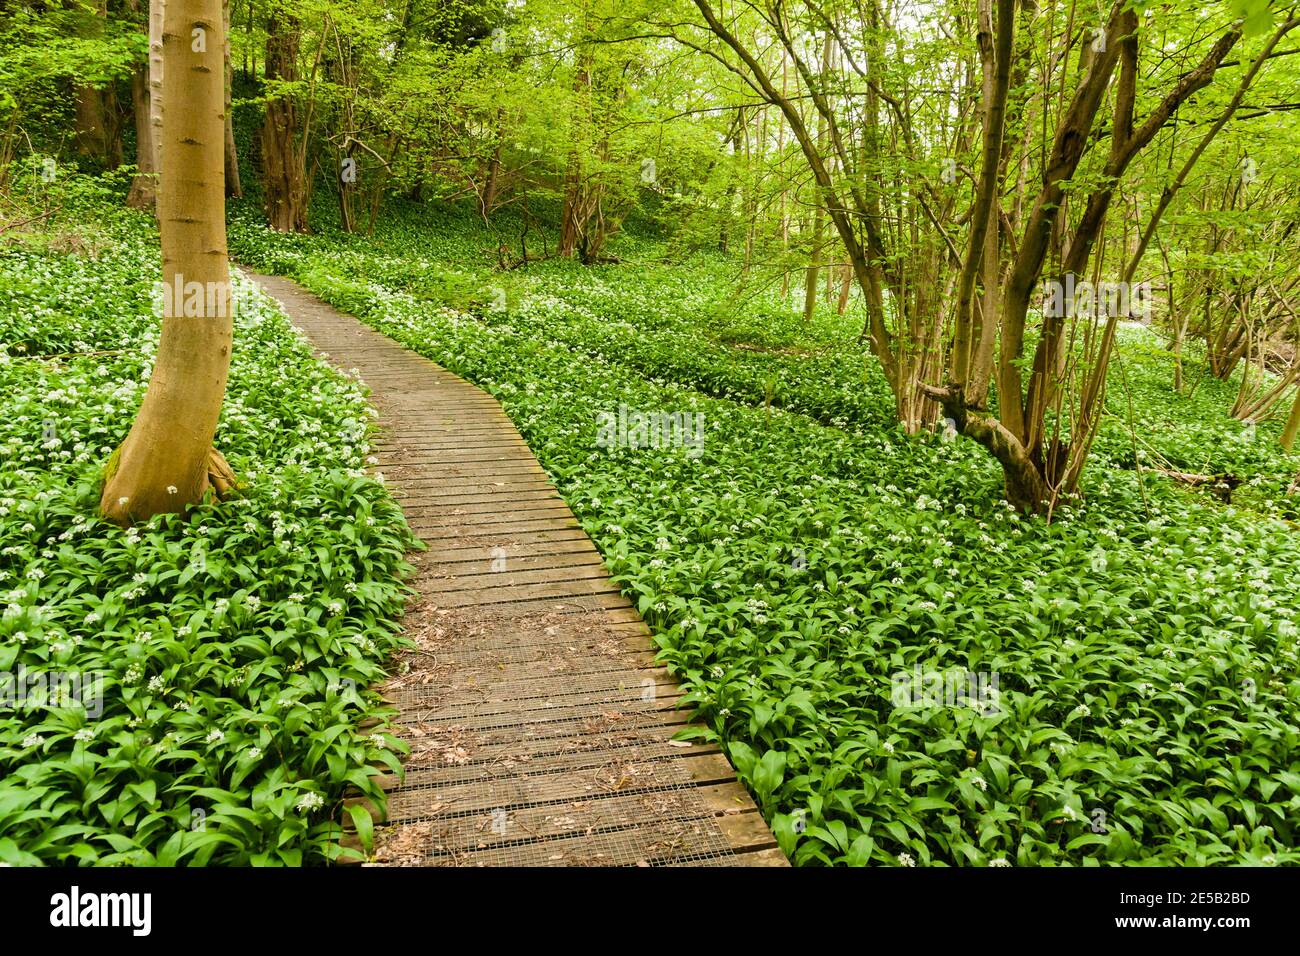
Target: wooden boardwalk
[(540, 729)]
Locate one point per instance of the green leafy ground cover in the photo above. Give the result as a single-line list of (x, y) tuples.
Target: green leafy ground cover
[(233, 649), (684, 322), (1143, 643)]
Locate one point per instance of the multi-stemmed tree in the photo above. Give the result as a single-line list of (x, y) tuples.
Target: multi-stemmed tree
[(1054, 114)]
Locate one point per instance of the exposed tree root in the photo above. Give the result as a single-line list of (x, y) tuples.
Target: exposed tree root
[(221, 477), (1221, 486), (126, 507)]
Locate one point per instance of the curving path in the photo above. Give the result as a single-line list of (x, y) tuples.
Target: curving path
[(540, 729)]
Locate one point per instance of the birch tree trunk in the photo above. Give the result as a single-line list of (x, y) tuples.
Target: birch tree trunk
[(157, 9)]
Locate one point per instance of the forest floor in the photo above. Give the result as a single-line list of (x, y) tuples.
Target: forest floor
[(540, 730), (901, 669), (216, 663)]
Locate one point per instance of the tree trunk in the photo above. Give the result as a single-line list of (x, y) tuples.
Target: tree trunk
[(493, 187), (234, 189), (1292, 424), (97, 136), (167, 461), (1180, 329), (157, 9), (819, 222), (144, 184), (7, 142), (846, 287), (283, 158), (347, 193), (97, 133), (571, 216), (814, 266)]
